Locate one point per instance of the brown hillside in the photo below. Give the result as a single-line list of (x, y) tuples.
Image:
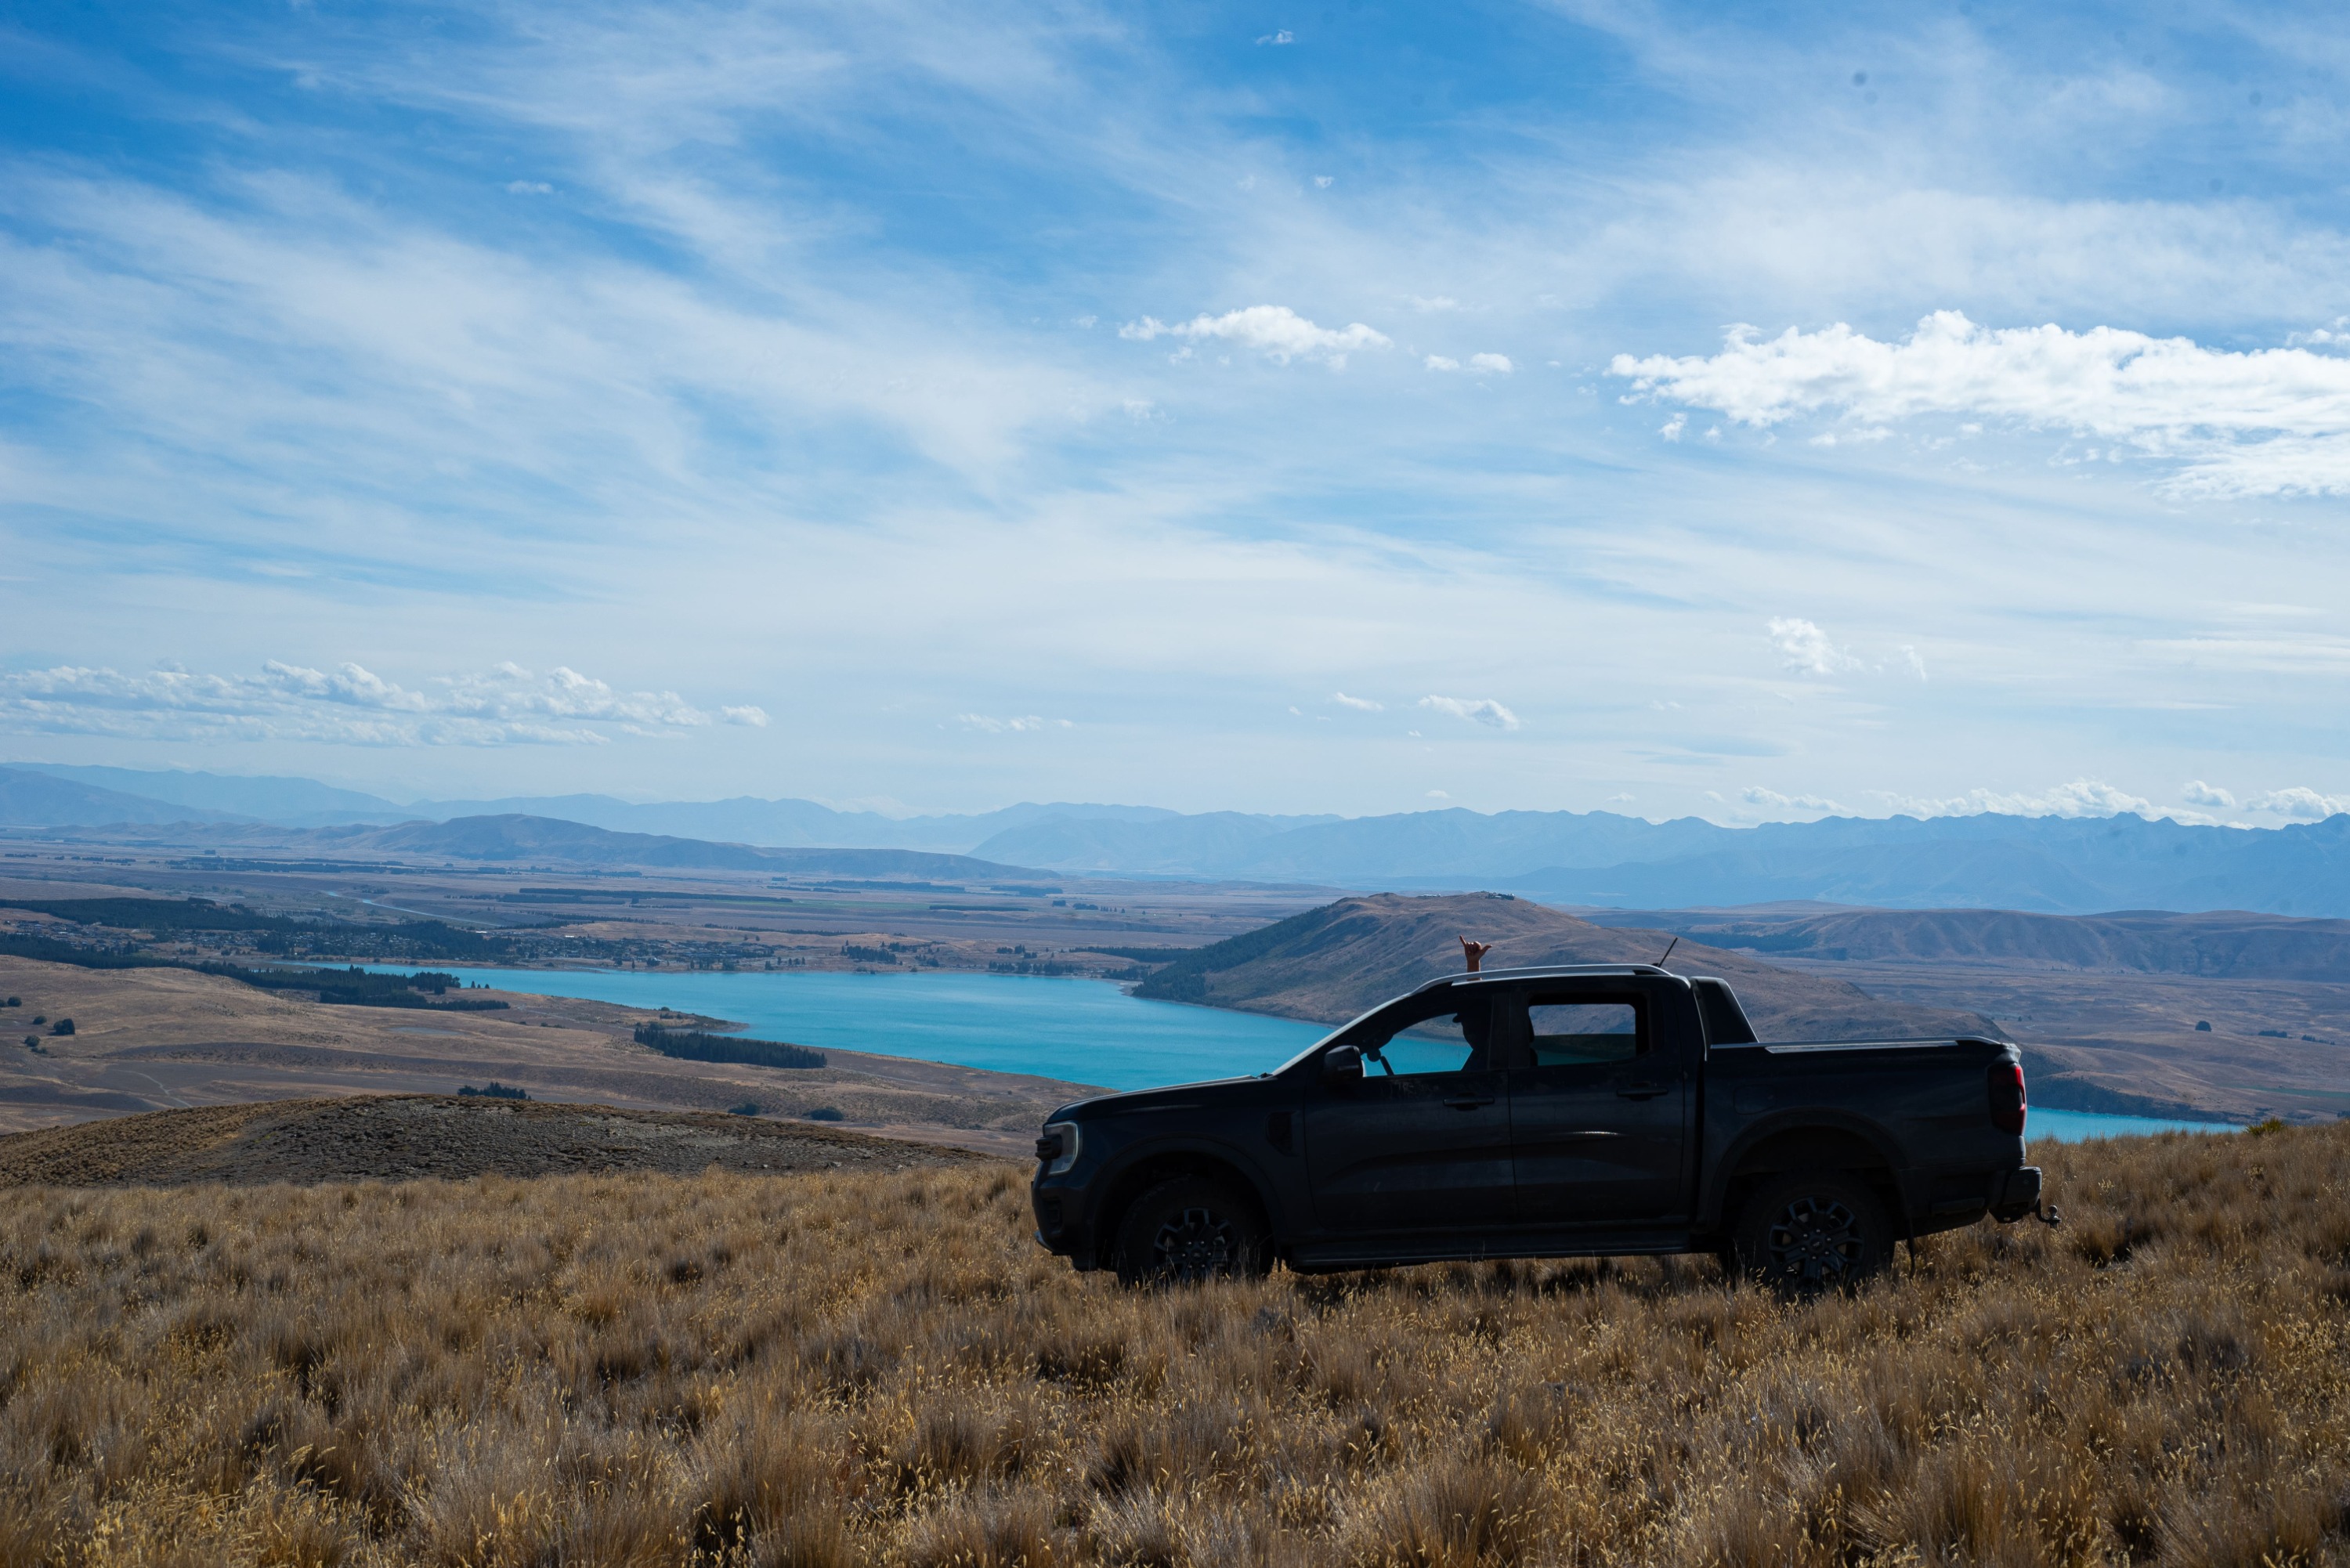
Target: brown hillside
[(400, 1137), (2221, 944), (878, 1370), (1331, 963)]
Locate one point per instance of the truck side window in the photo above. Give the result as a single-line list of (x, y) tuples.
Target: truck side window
[(1576, 1031), (1421, 1035)]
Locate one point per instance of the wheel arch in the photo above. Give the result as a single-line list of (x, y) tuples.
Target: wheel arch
[(1149, 1167), (1805, 1142)]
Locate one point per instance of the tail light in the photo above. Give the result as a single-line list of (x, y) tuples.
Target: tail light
[(2007, 1096)]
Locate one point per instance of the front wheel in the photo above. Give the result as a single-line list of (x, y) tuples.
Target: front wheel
[(1812, 1232), (1188, 1230)]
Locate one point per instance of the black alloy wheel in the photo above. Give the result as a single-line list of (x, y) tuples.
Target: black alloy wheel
[(1187, 1230), (1812, 1232)]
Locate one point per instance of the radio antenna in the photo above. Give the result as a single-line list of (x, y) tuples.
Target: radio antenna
[(1668, 951)]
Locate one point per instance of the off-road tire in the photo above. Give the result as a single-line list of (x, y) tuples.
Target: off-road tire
[(1810, 1231), (1188, 1230)]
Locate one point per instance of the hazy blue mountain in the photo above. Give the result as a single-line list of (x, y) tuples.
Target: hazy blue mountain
[(34, 799), (1171, 845), (287, 802), (747, 819), (2011, 862)]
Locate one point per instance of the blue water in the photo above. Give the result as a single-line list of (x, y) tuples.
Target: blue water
[(1083, 1031), (2072, 1126)]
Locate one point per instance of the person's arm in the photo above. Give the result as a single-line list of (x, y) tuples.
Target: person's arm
[(1475, 953)]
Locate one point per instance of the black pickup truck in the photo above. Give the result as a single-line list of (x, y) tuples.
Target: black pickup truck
[(1543, 1113)]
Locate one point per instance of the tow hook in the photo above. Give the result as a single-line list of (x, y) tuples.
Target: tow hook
[(2047, 1214)]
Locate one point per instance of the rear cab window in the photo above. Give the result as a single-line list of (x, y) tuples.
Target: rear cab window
[(1580, 1030)]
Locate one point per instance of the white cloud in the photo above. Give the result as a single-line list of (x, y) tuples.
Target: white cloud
[(2270, 421), (1433, 303), (1361, 704), (747, 714), (349, 704), (530, 188), (1283, 36), (1805, 649), (2300, 803), (1914, 660), (1322, 181), (2082, 797), (2195, 792), (1772, 800), (1672, 428), (1494, 364), (1476, 709), (1025, 723), (1438, 795), (1275, 330)]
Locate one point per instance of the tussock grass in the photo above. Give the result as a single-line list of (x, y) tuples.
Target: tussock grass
[(823, 1369)]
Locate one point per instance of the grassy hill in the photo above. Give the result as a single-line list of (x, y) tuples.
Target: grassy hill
[(1331, 963), (846, 1367)]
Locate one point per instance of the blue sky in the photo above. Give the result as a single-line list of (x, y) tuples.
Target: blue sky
[(1350, 407)]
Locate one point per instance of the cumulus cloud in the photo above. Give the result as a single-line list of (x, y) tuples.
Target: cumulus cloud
[(2195, 792), (1805, 649), (747, 714), (2300, 803), (2082, 797), (349, 704), (1476, 709), (1439, 362), (1360, 705), (1772, 800), (2270, 421), (1274, 330)]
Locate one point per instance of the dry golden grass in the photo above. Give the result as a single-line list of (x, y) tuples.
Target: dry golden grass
[(819, 1369)]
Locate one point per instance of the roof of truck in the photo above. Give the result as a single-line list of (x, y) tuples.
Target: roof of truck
[(1551, 972)]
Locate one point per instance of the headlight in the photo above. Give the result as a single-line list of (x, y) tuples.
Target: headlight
[(1058, 1148)]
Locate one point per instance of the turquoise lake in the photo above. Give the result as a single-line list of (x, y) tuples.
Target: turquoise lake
[(1085, 1030)]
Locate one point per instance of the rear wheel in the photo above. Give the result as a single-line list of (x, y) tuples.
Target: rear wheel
[(1187, 1229), (1812, 1230)]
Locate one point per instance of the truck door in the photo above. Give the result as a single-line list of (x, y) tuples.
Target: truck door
[(1422, 1141), (1599, 1109)]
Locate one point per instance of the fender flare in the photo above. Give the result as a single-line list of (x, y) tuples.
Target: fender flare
[(1823, 1119), (1117, 1186)]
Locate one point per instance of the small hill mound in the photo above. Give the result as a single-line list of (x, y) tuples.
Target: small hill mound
[(403, 1138), (1334, 962)]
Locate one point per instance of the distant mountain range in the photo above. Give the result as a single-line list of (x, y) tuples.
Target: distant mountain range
[(1598, 859)]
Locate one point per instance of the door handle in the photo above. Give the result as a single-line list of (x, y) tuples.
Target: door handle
[(1469, 1103), (1640, 1091)]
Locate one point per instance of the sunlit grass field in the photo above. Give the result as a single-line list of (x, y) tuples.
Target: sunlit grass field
[(827, 1369)]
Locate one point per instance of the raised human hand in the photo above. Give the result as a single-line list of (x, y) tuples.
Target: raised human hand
[(1475, 953)]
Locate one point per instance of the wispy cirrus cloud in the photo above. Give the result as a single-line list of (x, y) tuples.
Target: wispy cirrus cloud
[(1273, 330), (349, 704), (1360, 705), (1023, 723), (2270, 421)]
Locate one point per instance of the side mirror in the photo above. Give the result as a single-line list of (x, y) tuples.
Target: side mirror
[(1342, 1065)]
